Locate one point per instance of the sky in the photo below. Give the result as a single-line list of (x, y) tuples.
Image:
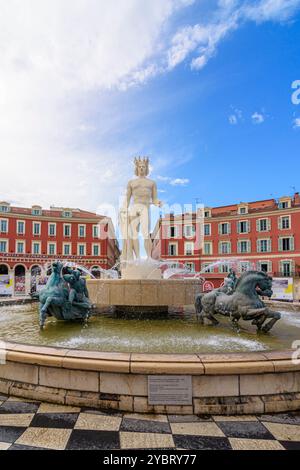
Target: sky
[(202, 87)]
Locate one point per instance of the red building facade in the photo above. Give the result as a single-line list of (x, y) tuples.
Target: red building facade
[(262, 235), (31, 238)]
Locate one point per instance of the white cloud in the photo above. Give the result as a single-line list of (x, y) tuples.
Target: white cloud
[(258, 118), (296, 123), (202, 39), (173, 181), (58, 61), (179, 181)]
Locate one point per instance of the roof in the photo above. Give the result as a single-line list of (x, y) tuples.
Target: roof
[(53, 212)]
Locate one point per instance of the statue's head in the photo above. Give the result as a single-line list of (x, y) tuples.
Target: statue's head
[(141, 166)]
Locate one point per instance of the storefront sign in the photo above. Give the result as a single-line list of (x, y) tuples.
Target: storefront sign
[(6, 285), (283, 288)]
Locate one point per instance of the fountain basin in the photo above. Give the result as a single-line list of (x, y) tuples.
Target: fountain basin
[(257, 378), (229, 384)]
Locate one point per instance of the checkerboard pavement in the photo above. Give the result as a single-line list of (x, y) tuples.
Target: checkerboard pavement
[(26, 424)]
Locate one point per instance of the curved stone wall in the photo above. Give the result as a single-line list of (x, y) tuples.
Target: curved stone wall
[(221, 384)]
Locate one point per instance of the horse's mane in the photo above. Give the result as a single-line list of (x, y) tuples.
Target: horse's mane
[(249, 273)]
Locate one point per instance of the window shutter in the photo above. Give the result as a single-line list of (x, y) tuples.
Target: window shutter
[(292, 243), (258, 225), (269, 225), (279, 223), (269, 266), (220, 229), (248, 226), (249, 246), (280, 244), (258, 246), (238, 227), (229, 228), (229, 247)]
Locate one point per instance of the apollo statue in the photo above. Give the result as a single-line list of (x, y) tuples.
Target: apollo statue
[(135, 214)]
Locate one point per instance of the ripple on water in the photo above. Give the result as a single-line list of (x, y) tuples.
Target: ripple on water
[(177, 332)]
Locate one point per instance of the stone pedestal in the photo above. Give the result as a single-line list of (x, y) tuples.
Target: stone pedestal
[(143, 293), (141, 269)]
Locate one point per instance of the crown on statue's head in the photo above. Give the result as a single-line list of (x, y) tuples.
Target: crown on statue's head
[(138, 161)]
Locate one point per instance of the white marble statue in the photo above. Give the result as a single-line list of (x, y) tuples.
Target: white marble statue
[(135, 214)]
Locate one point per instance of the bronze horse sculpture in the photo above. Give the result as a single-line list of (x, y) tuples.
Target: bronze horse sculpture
[(240, 301), (64, 297)]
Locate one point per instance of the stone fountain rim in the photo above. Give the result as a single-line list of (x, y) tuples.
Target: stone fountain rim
[(151, 363)]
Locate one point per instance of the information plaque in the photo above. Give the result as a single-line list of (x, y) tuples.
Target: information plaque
[(170, 390)]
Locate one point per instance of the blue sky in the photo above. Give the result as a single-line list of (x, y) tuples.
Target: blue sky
[(202, 87)]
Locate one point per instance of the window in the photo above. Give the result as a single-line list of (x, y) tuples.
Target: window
[(265, 266), (67, 249), (286, 268), (243, 246), (189, 249), (244, 266), (20, 247), (36, 228), (96, 231), (20, 227), (286, 244), (207, 229), (284, 222), (3, 246), (81, 250), (263, 225), (67, 230), (96, 250), (207, 248), (284, 204), (51, 249), (243, 226), (67, 213), (172, 232), (3, 226), (224, 268), (36, 211), (189, 231), (207, 267), (81, 231), (224, 248), (190, 267), (224, 228), (4, 208), (36, 248), (264, 246), (207, 213), (174, 266), (172, 249), (52, 230), (242, 210)]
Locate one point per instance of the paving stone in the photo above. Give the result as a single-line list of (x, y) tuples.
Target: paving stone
[(144, 426), (51, 438), (54, 420), (93, 440), (250, 430), (201, 442)]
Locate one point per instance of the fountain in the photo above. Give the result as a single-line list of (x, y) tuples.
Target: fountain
[(142, 285)]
